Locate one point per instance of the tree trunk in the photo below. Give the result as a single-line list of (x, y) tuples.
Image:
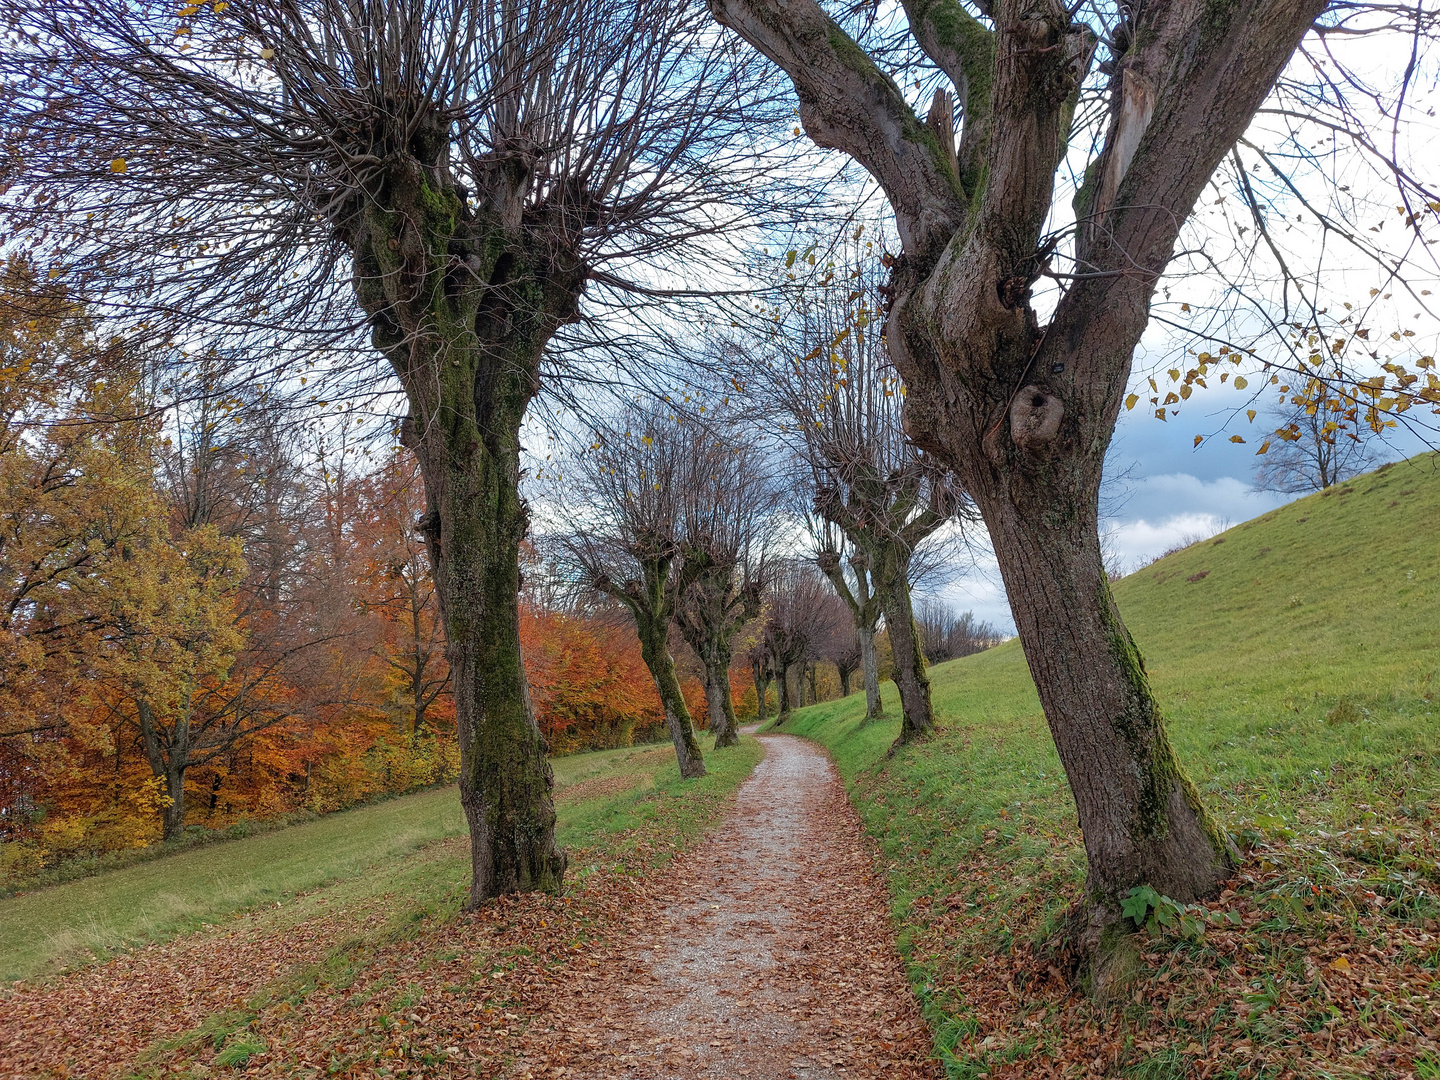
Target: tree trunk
[(870, 668), (469, 452), (718, 700), (814, 674), (1141, 817), (782, 707), (174, 817), (655, 651), (169, 758), (844, 681), (762, 689), (908, 662), (466, 347)]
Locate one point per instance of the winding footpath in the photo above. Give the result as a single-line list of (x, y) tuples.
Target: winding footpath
[(770, 956)]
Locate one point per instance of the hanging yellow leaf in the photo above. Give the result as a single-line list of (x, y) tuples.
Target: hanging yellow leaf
[(1251, 414), (1236, 438), (1264, 446), (1131, 400), (1241, 382), (118, 165), (1199, 439), (267, 54)]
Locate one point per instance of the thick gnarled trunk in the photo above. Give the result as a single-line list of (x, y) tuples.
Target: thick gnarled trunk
[(1141, 817), (467, 350), (475, 523)]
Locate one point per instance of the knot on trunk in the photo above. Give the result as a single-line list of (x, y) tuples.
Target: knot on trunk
[(1035, 418)]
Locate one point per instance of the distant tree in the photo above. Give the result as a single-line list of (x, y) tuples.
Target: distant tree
[(823, 366), (627, 539), (1321, 440), (948, 636), (793, 626)]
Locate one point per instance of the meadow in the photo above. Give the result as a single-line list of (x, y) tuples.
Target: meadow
[(1295, 656)]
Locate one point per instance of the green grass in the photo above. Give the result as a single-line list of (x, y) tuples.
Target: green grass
[(1295, 657), (387, 849)]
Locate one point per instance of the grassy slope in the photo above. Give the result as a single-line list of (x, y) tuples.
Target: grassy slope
[(608, 802), (1295, 656)]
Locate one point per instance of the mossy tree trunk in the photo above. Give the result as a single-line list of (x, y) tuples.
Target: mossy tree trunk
[(760, 672), (463, 307), (1141, 817), (870, 673), (655, 651), (907, 660), (865, 605), (1023, 413), (650, 600)]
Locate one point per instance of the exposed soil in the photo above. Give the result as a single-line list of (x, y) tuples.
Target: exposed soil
[(769, 954)]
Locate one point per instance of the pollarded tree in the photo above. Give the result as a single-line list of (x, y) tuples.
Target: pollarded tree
[(1024, 411), (728, 517), (795, 608), (628, 541), (448, 176), (823, 365)]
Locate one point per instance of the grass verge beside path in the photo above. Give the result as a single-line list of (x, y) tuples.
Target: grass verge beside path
[(609, 803), (1296, 658)]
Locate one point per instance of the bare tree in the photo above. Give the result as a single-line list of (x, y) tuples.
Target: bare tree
[(792, 627), (1024, 411), (450, 178), (839, 641), (1322, 441), (628, 540), (948, 636), (729, 515), (824, 364)]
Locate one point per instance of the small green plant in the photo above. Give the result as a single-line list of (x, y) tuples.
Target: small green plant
[(1427, 1067), (241, 1049), (1145, 907)]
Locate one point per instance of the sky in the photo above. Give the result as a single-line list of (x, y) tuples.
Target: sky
[(1174, 492)]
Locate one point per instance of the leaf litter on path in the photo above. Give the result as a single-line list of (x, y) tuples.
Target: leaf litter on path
[(764, 952)]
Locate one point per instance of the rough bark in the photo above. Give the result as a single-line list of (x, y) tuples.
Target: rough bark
[(655, 651), (865, 606), (1024, 414), (463, 309), (720, 703), (870, 669), (760, 672), (169, 759), (908, 664)]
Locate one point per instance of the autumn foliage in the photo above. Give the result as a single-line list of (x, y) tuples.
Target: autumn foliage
[(206, 615)]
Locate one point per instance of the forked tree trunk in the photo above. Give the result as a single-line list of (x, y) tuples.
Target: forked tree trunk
[(870, 672), (1141, 817), (169, 759), (655, 651), (720, 704), (463, 309)]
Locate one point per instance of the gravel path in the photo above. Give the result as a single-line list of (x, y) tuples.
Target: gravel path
[(770, 954)]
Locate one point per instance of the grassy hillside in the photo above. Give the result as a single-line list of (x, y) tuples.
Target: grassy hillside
[(607, 802), (1296, 657)]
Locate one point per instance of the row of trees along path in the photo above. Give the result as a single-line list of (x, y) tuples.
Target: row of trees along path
[(459, 177), (765, 952)]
